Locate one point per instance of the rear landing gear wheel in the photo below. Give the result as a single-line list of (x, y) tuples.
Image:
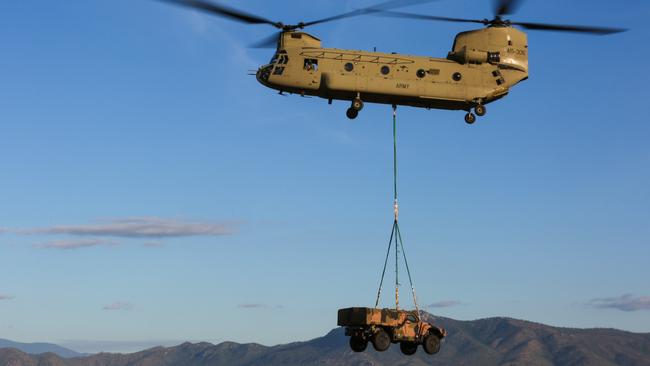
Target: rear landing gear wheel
[(431, 344), (408, 348), (469, 118), (358, 344), (352, 113), (357, 104), (381, 340), (480, 110)]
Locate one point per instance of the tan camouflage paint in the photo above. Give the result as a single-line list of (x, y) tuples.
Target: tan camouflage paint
[(411, 80), (404, 325)]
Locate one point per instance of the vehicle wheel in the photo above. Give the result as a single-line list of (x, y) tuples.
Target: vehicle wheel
[(480, 110), (408, 348), (357, 104), (381, 340), (358, 344), (352, 113), (470, 118), (431, 344)]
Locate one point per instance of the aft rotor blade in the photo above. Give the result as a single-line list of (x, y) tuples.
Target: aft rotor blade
[(398, 14), (268, 42), (569, 28), (505, 7), (224, 11), (392, 4)]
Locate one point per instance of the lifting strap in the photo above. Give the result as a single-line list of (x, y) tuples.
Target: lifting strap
[(395, 234)]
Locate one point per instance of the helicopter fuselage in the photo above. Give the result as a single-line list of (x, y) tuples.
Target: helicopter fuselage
[(482, 67)]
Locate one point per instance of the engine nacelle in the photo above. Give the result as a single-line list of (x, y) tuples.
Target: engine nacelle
[(465, 56), (505, 46)]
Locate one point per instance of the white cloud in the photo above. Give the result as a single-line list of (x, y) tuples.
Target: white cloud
[(139, 227), (626, 302), (444, 304), (72, 244), (6, 297), (119, 305)]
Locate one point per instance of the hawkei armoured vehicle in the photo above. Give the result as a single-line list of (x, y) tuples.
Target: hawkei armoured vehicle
[(382, 327)]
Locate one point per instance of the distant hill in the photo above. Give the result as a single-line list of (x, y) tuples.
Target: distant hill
[(38, 348), (485, 342)]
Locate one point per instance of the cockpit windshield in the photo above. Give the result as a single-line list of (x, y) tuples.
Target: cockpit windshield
[(280, 58)]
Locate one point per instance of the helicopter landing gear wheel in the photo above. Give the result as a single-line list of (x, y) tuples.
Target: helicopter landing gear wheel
[(357, 104), (352, 113), (470, 118), (480, 110)]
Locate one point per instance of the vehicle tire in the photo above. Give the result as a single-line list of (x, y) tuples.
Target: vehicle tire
[(358, 344), (357, 104), (431, 344), (470, 118), (408, 348), (381, 340), (352, 113), (480, 110)]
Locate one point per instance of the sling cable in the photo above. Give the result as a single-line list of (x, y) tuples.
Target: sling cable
[(395, 234)]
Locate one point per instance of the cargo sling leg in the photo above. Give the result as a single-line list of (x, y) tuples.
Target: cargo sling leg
[(395, 234)]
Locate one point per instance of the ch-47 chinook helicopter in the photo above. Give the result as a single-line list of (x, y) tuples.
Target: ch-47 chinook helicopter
[(481, 67)]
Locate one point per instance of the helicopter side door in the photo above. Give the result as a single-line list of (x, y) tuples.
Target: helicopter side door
[(310, 74)]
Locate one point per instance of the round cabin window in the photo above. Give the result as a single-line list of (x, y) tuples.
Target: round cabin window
[(349, 67), (421, 73), (385, 70), (457, 76)]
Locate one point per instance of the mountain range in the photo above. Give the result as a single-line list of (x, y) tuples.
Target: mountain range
[(485, 342), (38, 348)]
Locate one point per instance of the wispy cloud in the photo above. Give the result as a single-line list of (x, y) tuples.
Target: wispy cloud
[(139, 227), (72, 244), (627, 302), (153, 244), (203, 25), (258, 306), (444, 304), (119, 305), (6, 297)]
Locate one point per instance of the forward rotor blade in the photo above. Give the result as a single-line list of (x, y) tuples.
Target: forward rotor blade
[(392, 4), (224, 11), (569, 28), (397, 14), (268, 42), (505, 7)]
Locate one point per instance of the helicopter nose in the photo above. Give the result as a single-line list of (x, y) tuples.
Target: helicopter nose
[(263, 74)]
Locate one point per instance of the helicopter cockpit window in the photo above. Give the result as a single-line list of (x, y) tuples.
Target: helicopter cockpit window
[(278, 70), (311, 64), (280, 57)]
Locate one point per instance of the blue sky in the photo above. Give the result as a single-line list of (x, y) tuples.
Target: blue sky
[(196, 205)]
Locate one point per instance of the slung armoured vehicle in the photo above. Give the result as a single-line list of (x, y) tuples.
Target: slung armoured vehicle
[(382, 327)]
